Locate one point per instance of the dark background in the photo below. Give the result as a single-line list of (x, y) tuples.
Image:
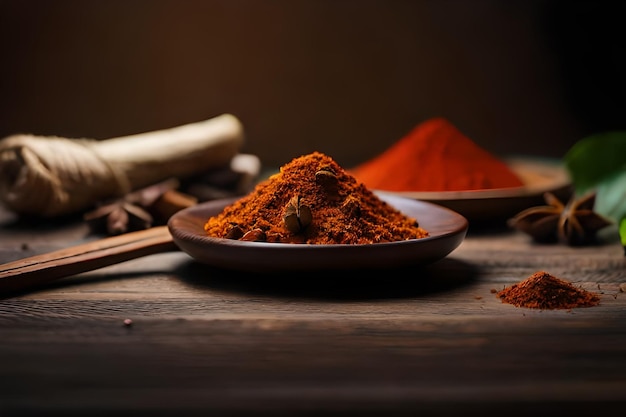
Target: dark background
[(345, 77)]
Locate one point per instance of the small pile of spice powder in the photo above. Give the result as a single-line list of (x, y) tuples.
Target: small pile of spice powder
[(313, 200), (544, 291)]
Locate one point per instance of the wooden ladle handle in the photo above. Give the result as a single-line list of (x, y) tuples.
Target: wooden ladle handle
[(28, 272)]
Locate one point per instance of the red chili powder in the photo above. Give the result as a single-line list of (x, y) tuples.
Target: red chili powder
[(547, 292), (435, 156)]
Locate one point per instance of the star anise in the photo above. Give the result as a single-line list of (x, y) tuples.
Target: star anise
[(118, 217), (575, 223), (129, 213)]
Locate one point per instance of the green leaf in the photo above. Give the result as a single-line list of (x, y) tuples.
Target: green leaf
[(596, 158), (611, 196), (622, 231), (598, 163)]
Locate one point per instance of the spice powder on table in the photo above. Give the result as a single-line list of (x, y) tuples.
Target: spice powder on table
[(544, 291), (313, 200)]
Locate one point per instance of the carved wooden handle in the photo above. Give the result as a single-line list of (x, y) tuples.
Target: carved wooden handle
[(29, 272)]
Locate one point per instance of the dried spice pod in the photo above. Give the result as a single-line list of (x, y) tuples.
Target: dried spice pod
[(297, 215), (579, 223), (327, 178), (575, 223), (254, 235), (234, 232), (138, 210)]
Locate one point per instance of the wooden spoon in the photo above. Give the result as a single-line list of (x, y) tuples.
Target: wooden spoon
[(35, 270)]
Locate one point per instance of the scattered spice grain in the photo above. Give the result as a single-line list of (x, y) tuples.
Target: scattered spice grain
[(435, 156), (544, 291), (313, 200)]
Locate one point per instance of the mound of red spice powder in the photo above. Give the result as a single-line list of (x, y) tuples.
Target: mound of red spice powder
[(435, 156), (341, 210), (544, 291)]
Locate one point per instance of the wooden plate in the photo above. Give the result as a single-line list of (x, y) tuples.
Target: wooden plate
[(446, 227), (495, 206)]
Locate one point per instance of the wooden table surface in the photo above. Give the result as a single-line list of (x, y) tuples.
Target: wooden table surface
[(433, 340)]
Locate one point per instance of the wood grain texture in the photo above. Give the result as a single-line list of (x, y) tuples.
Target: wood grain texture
[(432, 340)]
